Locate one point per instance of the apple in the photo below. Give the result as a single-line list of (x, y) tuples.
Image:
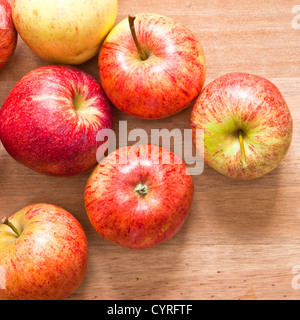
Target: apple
[(8, 33), (140, 201), (247, 125), (50, 120), (67, 32), (43, 252), (151, 67)]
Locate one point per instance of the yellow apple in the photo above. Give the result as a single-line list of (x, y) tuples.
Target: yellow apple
[(64, 31)]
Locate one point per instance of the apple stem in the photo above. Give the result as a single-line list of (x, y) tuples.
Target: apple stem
[(141, 190), (243, 152), (132, 29), (11, 225)]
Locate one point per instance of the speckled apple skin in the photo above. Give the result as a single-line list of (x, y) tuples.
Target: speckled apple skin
[(240, 101), (8, 33), (49, 260), (125, 218), (164, 84), (40, 128)]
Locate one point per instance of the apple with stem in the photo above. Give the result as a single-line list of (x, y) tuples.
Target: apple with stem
[(247, 125), (67, 32), (50, 120), (139, 196), (43, 252), (151, 67), (8, 33)]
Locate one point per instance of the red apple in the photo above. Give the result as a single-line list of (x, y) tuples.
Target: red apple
[(43, 254), (8, 33), (141, 201), (50, 120), (152, 67), (247, 125)]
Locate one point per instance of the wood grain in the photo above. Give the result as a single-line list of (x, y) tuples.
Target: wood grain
[(242, 239)]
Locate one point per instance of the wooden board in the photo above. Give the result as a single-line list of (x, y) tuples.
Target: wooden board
[(242, 239)]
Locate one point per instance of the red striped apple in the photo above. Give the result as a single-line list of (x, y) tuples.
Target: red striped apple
[(43, 254), (139, 196), (68, 32), (8, 33), (151, 67), (50, 120), (247, 125)]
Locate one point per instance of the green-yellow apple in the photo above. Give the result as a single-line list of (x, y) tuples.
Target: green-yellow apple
[(8, 33), (247, 125), (151, 66), (139, 196), (64, 31), (43, 254), (50, 120)]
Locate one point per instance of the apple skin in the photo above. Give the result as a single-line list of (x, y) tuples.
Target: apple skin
[(119, 214), (67, 32), (241, 101), (8, 33), (164, 84), (49, 260), (50, 120)]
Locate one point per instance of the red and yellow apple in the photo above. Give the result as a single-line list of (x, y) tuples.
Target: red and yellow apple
[(8, 33), (139, 196), (43, 252), (68, 32), (247, 125), (50, 120), (151, 66)]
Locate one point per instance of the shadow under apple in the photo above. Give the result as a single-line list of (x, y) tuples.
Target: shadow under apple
[(133, 274), (237, 207)]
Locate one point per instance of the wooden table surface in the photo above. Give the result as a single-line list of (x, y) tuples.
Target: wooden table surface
[(242, 239)]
